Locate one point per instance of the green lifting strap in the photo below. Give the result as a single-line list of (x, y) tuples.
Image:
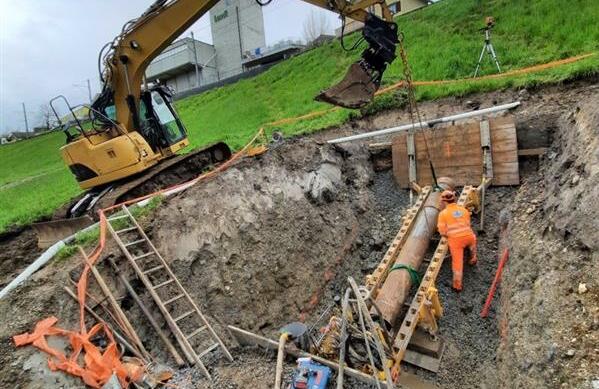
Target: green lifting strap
[(413, 273)]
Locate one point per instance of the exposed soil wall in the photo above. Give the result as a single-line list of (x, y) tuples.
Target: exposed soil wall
[(550, 310), (40, 297), (18, 248), (278, 227), (273, 239)]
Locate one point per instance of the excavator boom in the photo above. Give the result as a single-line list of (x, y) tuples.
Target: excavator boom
[(136, 133), (144, 38)]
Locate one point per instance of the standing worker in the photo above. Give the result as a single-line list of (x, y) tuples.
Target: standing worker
[(454, 224)]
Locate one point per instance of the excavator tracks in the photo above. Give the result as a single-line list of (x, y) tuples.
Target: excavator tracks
[(173, 171), (67, 220)]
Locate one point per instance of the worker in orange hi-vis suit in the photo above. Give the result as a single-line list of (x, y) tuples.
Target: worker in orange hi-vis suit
[(454, 224)]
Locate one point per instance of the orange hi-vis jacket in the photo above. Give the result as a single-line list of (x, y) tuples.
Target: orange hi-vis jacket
[(454, 221)]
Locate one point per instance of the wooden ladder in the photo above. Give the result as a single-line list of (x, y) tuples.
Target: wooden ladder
[(176, 305)]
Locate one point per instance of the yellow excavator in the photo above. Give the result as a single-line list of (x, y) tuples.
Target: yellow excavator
[(130, 148)]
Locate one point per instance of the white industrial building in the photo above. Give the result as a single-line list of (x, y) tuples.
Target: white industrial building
[(176, 66), (237, 32)]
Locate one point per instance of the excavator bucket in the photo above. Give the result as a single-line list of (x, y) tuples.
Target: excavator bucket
[(354, 91), (51, 232), (364, 77)]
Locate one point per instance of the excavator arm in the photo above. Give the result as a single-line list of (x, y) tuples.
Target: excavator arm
[(144, 38), (135, 136)]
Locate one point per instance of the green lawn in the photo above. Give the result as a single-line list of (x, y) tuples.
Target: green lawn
[(33, 181), (442, 40)]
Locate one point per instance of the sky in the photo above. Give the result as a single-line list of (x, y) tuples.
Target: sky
[(50, 47)]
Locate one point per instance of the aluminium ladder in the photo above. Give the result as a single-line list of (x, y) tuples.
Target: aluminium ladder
[(175, 304)]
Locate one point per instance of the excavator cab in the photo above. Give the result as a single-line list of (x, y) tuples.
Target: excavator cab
[(159, 123), (101, 151)]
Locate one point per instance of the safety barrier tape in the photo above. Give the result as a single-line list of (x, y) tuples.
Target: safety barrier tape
[(401, 84)]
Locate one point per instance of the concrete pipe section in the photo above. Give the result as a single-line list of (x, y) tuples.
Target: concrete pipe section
[(396, 288)]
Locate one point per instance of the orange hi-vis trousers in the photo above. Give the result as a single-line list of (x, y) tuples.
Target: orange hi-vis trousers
[(457, 244)]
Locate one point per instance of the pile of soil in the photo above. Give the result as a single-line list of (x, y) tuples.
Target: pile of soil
[(256, 244), (18, 247)]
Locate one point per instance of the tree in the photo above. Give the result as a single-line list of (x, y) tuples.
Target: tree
[(316, 25), (46, 116)]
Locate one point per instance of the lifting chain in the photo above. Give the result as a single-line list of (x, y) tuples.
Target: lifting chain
[(413, 106), (407, 73)]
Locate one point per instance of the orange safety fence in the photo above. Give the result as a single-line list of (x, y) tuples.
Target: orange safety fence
[(98, 367), (401, 84), (515, 72)]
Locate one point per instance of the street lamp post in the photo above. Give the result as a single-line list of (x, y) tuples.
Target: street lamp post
[(89, 89), (25, 117), (195, 54)]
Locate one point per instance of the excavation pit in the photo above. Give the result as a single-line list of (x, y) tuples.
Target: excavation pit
[(273, 240)]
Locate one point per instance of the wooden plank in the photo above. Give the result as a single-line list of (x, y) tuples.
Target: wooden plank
[(506, 174), (456, 152), (421, 360), (399, 157), (533, 152), (503, 157), (379, 146)]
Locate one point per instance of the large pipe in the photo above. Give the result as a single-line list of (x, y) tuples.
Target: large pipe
[(396, 288), (423, 124)]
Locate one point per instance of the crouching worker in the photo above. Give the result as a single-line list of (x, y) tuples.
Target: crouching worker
[(454, 224)]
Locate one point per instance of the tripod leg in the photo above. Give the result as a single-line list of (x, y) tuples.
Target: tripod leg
[(480, 60), (494, 56)]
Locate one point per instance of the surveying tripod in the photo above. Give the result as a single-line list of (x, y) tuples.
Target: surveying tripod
[(488, 47)]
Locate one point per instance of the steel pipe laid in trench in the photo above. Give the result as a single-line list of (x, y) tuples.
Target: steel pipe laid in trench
[(396, 288)]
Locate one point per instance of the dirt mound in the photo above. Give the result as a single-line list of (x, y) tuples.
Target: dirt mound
[(551, 290), (40, 297), (247, 241), (18, 248)]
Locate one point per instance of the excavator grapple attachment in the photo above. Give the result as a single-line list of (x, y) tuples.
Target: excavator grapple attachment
[(364, 76)]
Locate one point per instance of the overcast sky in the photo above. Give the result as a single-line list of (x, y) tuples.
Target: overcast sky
[(50, 47)]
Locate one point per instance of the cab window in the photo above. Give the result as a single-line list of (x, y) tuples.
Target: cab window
[(172, 132)]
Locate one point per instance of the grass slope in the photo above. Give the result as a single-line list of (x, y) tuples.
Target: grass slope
[(442, 40)]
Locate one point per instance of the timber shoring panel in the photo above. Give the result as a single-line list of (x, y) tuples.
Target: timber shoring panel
[(456, 152)]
